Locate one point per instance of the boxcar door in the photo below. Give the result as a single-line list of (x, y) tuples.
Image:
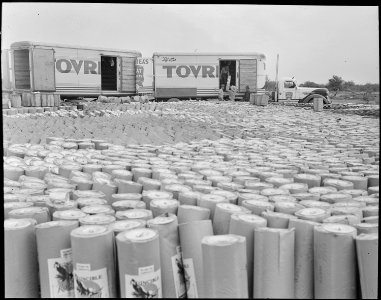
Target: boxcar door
[(247, 75), (43, 70), (128, 73)]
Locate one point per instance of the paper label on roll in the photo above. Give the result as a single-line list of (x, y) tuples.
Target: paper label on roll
[(91, 284), (178, 271), (60, 271), (144, 285), (190, 278)]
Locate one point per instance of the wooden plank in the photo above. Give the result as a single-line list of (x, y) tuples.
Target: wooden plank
[(43, 70)]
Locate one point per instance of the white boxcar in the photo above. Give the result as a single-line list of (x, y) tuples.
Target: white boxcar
[(71, 70), (197, 75)]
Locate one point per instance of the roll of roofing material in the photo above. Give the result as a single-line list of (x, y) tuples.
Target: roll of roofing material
[(288, 207), (125, 186), (107, 187), (161, 206), (359, 182), (13, 172), (258, 206), (366, 228), (20, 259), (335, 197), (141, 172), (282, 198), (123, 225), (313, 214), (219, 178), (191, 234), (88, 201), (110, 168), (368, 200), (149, 184), (316, 204), (121, 174), (40, 214), (126, 196), (367, 258), (322, 190), (373, 180), (258, 186), (98, 219), (91, 168), (204, 189), (36, 171), (304, 261), (193, 182), (55, 258), (347, 210), (68, 215), (278, 181), (189, 213), (224, 278), (139, 263), (65, 169), (373, 220), (189, 198), (222, 214), (230, 186), (309, 179), (373, 190), (339, 184), (93, 261), (335, 277), (86, 194), (274, 263), (355, 192), (244, 225), (83, 184), (134, 214), (350, 203), (98, 209), (128, 204), (231, 196), (210, 201), (176, 189), (343, 219), (148, 196), (277, 220), (170, 255), (294, 188), (19, 198), (370, 211), (9, 206)]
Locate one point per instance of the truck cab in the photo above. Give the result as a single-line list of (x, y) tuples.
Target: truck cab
[(288, 89)]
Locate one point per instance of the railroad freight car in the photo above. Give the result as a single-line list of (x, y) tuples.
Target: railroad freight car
[(70, 70)]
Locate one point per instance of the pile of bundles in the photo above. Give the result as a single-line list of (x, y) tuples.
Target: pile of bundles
[(232, 218), (127, 99), (38, 99)]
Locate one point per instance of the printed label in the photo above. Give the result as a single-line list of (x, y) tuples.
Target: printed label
[(145, 285), (178, 274), (85, 267), (144, 270), (60, 272), (190, 278), (66, 254), (91, 284)]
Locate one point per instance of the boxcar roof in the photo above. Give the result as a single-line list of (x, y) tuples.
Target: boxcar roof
[(209, 54), (30, 44)]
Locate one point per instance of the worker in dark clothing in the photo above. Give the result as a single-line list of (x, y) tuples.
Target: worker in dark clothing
[(224, 76)]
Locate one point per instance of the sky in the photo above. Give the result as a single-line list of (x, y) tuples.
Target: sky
[(313, 42)]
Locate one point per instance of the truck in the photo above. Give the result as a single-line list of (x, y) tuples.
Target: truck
[(70, 71), (288, 90), (197, 75)]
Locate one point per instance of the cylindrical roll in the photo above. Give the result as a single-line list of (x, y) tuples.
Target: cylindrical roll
[(13, 172), (312, 180), (335, 197), (335, 261), (133, 214), (188, 213), (343, 219), (68, 215), (315, 204), (359, 182), (282, 198), (93, 261), (9, 206), (274, 263), (368, 200), (277, 220), (366, 228), (139, 263), (83, 184), (231, 196), (370, 211), (295, 188), (176, 189), (210, 201), (88, 201), (86, 194), (126, 186), (306, 196), (339, 184), (149, 184), (20, 259), (55, 259), (140, 172), (304, 260), (98, 219), (170, 255), (347, 210), (161, 206), (244, 225), (128, 204), (221, 218), (373, 190), (367, 259), (148, 196), (105, 186), (312, 214), (257, 206), (373, 180), (370, 220), (121, 174), (224, 278), (98, 209), (126, 196), (123, 225), (189, 198), (287, 207), (40, 214)]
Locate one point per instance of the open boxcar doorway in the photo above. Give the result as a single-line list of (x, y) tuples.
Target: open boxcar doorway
[(228, 74), (109, 73)]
